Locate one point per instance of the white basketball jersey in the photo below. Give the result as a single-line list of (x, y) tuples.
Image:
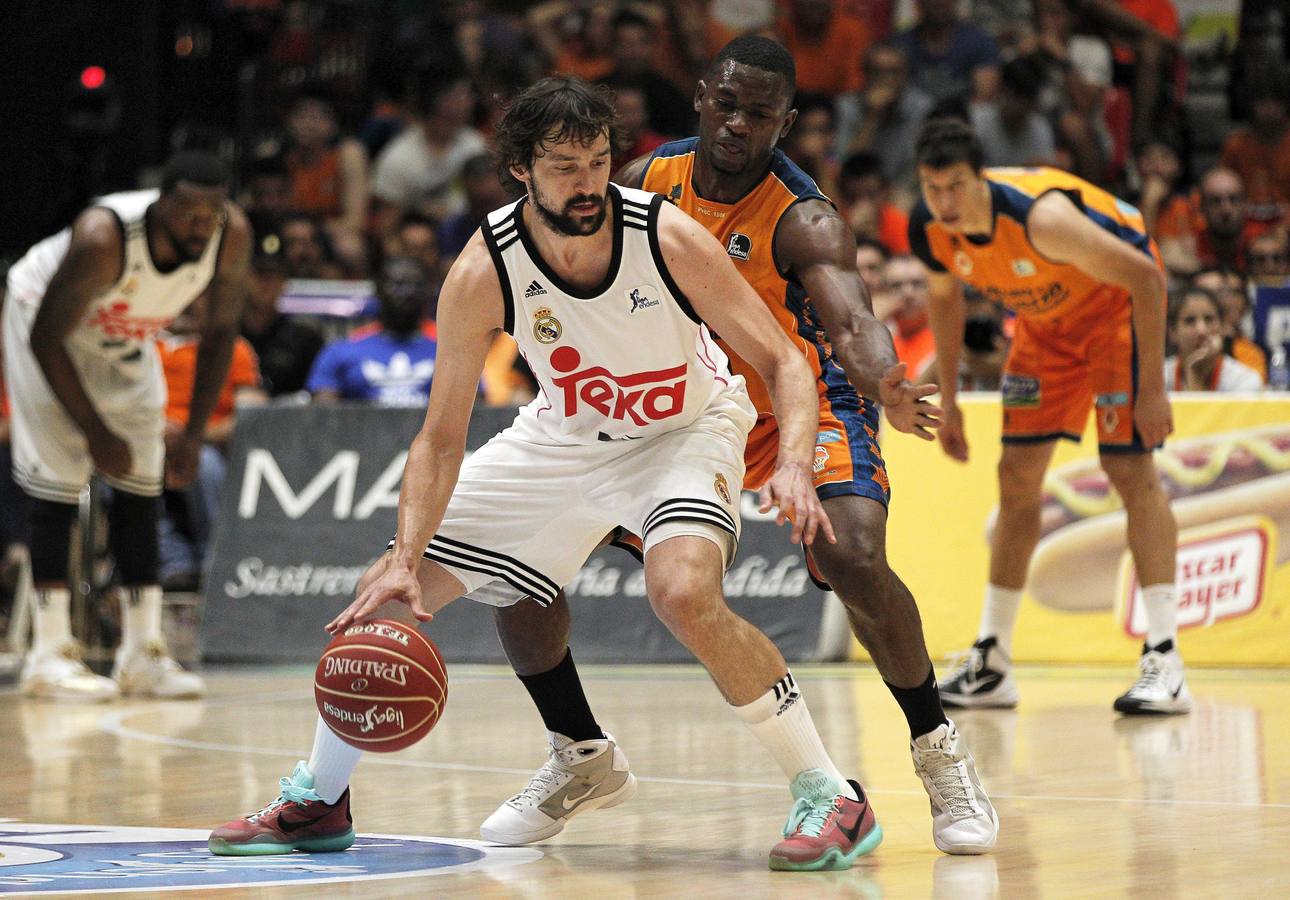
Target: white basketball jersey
[(626, 359), (142, 302)]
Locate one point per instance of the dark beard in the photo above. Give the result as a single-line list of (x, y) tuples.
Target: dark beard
[(565, 222)]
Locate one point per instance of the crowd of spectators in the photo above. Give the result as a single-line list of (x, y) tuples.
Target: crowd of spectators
[(380, 175)]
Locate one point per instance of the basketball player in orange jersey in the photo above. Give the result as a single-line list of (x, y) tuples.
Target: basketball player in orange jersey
[(789, 243), (1086, 282), (639, 425)]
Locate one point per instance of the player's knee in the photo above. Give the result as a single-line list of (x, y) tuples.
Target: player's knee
[(686, 606), (1133, 475), (1020, 484), (856, 567), (132, 536), (51, 539)]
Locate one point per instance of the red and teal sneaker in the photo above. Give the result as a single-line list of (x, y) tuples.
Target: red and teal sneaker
[(826, 829), (297, 820)]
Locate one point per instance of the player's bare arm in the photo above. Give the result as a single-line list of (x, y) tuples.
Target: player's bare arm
[(946, 315), (92, 265), (226, 295), (815, 246), (725, 300), (470, 315), (1061, 232), (633, 173)]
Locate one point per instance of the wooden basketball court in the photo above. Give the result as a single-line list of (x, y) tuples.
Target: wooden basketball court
[(1092, 805)]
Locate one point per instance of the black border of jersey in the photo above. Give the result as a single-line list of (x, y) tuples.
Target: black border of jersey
[(611, 274), (657, 252), (508, 301)]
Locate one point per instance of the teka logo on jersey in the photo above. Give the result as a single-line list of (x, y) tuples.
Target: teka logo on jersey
[(643, 397)]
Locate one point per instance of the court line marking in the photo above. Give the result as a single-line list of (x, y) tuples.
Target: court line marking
[(113, 723)]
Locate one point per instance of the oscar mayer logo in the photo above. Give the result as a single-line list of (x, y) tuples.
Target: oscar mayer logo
[(643, 397), (1222, 572)]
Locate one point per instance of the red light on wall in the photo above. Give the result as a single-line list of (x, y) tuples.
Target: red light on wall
[(92, 77)]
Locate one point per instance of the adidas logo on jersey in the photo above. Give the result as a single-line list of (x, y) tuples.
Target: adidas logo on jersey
[(534, 290)]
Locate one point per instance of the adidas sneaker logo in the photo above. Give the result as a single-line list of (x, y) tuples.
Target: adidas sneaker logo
[(534, 290)]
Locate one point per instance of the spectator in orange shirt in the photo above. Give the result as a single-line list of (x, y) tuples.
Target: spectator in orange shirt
[(864, 196), (906, 278), (827, 46), (1167, 209), (576, 38), (328, 172), (187, 522), (871, 261), (1260, 151), (1223, 231), (1230, 289)]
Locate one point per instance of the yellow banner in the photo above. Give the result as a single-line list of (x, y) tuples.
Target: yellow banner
[(1227, 470)]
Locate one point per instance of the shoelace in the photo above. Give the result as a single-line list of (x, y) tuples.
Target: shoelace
[(543, 780), (950, 780), (289, 792), (808, 816), (1153, 675), (966, 663)]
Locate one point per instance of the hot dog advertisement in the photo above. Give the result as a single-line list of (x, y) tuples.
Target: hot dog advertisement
[(1226, 472), (1209, 480)]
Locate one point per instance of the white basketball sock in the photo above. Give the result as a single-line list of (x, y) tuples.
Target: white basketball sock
[(999, 615), (51, 621), (140, 616), (1161, 604), (331, 763), (780, 720)]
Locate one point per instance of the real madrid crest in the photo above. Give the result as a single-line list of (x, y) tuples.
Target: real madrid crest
[(546, 327), (722, 489)]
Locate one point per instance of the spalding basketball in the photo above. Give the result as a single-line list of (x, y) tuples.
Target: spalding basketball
[(381, 686)]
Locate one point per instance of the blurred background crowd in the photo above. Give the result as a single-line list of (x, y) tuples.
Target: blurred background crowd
[(360, 129)]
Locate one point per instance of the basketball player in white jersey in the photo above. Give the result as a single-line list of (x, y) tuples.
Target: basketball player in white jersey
[(81, 311), (639, 424)]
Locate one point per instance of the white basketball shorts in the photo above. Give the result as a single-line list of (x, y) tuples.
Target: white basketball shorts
[(51, 458), (524, 517)]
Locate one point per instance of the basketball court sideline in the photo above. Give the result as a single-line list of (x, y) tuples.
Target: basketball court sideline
[(1091, 804)]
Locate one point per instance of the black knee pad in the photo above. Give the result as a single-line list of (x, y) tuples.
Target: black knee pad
[(132, 536), (51, 539)]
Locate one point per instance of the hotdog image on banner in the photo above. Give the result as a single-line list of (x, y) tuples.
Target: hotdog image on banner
[(1230, 493)]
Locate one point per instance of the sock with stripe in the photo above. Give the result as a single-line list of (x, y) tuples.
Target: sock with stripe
[(780, 720)]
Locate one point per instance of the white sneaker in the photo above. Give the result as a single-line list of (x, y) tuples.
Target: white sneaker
[(577, 777), (1160, 688), (963, 819), (60, 674), (981, 680), (149, 671)]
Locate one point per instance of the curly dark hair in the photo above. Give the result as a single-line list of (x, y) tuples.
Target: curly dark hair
[(553, 111)]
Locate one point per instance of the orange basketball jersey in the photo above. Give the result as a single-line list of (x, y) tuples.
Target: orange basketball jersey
[(1007, 268), (746, 229)]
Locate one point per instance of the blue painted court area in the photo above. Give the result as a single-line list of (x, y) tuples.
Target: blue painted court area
[(94, 859)]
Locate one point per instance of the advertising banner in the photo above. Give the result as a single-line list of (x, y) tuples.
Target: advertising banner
[(310, 502), (1226, 471)]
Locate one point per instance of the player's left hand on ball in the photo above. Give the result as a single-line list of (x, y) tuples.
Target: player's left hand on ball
[(905, 406), (396, 584), (792, 492)]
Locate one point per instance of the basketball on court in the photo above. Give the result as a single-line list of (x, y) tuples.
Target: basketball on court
[(381, 686)]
